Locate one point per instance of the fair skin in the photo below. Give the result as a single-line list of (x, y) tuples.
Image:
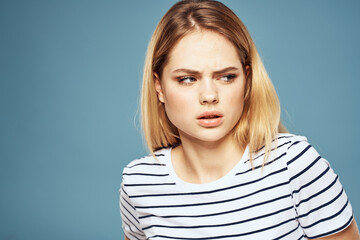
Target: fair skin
[(203, 74), (202, 88)]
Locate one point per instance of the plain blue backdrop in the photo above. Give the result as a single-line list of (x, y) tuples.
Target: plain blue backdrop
[(70, 75)]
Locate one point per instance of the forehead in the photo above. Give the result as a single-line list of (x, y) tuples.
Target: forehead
[(203, 49)]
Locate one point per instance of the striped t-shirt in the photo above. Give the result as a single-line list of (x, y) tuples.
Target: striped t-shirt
[(295, 196)]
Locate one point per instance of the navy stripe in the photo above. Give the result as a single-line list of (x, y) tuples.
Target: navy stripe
[(212, 191), (145, 174), (138, 233), (260, 166), (302, 236), (328, 218), (147, 164), (148, 184), (305, 169), (228, 236), (159, 155), (217, 202), (333, 231), (221, 225), (132, 224), (285, 136), (276, 148), (219, 213), (323, 205), (128, 203), (130, 213), (312, 181), (299, 155), (133, 234), (291, 136), (318, 193), (122, 189), (291, 231), (294, 143)]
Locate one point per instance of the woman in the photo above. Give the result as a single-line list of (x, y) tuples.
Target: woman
[(222, 165)]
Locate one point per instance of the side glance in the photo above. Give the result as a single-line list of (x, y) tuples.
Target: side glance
[(222, 166)]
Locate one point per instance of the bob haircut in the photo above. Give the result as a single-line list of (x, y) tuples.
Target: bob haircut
[(260, 120)]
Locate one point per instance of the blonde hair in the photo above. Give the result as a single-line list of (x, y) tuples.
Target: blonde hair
[(260, 120)]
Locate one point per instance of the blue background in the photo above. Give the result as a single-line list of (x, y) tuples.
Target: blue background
[(70, 73)]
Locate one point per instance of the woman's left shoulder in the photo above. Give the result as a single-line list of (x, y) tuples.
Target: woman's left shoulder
[(296, 148), (290, 139), (300, 157), (321, 203)]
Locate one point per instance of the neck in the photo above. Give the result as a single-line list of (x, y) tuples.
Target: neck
[(203, 162)]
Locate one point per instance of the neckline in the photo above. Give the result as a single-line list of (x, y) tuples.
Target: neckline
[(218, 182)]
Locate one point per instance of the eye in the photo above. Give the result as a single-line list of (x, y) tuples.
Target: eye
[(186, 80), (228, 77)]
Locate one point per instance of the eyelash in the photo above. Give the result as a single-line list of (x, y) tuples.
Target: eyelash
[(230, 77), (183, 80)]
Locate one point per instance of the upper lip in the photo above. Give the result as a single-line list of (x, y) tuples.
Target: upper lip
[(208, 114)]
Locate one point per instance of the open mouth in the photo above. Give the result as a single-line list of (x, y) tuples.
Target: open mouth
[(210, 117)]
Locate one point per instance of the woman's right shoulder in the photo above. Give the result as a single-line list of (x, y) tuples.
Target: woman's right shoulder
[(147, 164)]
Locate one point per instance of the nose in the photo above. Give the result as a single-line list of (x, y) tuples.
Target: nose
[(208, 92)]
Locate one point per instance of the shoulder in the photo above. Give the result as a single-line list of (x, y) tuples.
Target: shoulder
[(284, 143), (147, 160), (299, 151), (147, 167), (301, 156), (283, 147), (293, 146), (289, 139), (296, 154), (321, 203)]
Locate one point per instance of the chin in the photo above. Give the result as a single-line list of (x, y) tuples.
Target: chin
[(213, 139), (207, 136)]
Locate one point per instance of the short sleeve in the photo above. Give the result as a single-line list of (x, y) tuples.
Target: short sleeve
[(320, 201), (130, 220)]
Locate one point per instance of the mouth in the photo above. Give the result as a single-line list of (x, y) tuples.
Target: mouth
[(210, 119), (210, 115)]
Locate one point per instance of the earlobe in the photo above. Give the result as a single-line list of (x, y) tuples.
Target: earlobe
[(158, 88)]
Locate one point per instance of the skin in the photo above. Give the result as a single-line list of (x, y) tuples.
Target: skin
[(204, 73), (350, 233)]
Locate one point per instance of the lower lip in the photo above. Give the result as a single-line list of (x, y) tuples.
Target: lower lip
[(210, 122)]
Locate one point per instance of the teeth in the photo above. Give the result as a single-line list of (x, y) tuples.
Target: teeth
[(208, 117)]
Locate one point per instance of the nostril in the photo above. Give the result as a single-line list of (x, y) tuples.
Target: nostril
[(209, 99)]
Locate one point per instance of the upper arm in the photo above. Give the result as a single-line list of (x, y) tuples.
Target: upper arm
[(130, 220), (349, 233), (125, 237), (321, 204)]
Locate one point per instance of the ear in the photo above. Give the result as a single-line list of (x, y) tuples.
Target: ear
[(158, 88)]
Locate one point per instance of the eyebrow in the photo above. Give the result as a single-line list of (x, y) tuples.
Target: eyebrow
[(194, 72)]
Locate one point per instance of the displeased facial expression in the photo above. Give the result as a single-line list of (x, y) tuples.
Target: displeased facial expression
[(202, 86)]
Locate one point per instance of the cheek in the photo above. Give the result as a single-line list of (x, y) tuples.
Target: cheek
[(235, 103), (235, 96), (178, 103)]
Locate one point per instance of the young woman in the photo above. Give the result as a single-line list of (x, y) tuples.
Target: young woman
[(221, 165)]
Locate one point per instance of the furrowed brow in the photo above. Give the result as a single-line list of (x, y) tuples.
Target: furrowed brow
[(187, 71), (225, 70), (194, 72)]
